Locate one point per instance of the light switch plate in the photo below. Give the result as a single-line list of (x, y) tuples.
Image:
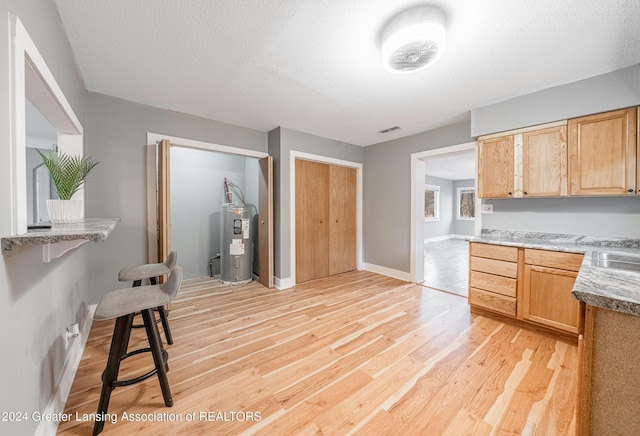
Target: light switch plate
[(487, 208)]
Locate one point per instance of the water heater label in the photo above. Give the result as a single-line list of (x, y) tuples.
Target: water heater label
[(245, 228), (237, 227), (236, 248)]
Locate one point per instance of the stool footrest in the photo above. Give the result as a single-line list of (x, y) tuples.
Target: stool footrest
[(119, 383)]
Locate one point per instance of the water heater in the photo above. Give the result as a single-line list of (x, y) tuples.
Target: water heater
[(235, 258)]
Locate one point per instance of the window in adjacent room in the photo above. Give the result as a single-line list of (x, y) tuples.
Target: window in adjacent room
[(431, 202), (466, 203)]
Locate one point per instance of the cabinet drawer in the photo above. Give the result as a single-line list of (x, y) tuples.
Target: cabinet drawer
[(498, 252), (491, 266), (493, 283), (553, 259), (492, 301)]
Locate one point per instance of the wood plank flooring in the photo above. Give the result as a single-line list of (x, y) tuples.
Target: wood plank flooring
[(356, 353)]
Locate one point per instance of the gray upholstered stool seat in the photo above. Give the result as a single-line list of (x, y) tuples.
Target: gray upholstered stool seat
[(142, 272), (124, 301), (152, 271), (122, 304)]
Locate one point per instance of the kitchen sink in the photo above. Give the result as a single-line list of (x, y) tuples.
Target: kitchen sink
[(602, 259)]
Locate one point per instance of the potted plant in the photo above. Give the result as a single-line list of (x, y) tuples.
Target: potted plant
[(68, 174)]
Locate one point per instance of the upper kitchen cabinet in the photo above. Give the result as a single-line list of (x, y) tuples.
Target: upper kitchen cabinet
[(495, 167), (602, 153), (544, 162), (529, 162)]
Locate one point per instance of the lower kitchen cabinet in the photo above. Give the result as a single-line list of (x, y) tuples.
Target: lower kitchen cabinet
[(546, 292), (493, 271), (530, 285)]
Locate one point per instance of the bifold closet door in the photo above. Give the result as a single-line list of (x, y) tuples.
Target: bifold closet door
[(325, 220), (342, 219), (312, 220)]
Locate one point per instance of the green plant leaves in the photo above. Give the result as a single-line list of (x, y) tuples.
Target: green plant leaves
[(67, 172)]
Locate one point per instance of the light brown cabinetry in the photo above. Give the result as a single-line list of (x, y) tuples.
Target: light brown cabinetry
[(544, 162), (546, 292), (325, 220), (527, 163), (533, 286), (495, 167), (595, 155), (602, 153), (493, 273)]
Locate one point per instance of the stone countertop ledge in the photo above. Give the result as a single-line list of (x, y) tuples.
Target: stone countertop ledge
[(608, 288), (89, 229)]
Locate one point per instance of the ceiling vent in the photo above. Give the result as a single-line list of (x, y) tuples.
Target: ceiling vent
[(390, 129), (413, 39)]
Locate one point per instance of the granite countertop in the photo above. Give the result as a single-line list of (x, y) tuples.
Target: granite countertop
[(91, 229), (609, 288)]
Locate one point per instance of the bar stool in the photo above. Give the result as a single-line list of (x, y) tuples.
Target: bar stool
[(152, 271), (123, 304)]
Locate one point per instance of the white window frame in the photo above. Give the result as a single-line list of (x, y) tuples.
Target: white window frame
[(436, 199), (460, 190)]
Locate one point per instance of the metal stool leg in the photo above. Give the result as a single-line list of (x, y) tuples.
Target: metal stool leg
[(158, 354), (119, 343), (164, 313)]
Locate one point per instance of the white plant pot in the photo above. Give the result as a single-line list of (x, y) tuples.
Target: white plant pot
[(64, 211)]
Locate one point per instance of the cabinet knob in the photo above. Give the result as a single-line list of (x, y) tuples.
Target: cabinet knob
[(510, 193), (525, 193), (262, 222), (629, 190)]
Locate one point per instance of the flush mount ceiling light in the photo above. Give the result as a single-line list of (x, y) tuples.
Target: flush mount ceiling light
[(413, 39)]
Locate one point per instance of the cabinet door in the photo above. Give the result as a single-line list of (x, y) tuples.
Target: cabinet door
[(544, 162), (312, 220), (342, 219), (495, 167), (602, 153), (547, 298)]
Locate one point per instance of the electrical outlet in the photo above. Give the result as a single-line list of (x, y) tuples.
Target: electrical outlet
[(487, 208), (72, 332)]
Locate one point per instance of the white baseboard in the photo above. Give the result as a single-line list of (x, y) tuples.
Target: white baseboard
[(400, 275), (445, 237), (281, 284), (59, 397)]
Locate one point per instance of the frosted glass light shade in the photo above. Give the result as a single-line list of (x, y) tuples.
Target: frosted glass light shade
[(413, 40)]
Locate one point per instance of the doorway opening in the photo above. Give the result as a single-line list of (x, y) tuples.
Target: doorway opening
[(445, 212), (188, 184)]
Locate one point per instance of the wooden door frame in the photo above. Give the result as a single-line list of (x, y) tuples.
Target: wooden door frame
[(152, 140), (416, 271), (293, 155)]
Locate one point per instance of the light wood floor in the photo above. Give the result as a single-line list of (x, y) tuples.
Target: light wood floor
[(357, 353)]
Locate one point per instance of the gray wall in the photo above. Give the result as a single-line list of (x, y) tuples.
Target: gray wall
[(597, 216), (197, 191), (37, 300), (387, 193), (588, 216), (462, 227), (614, 90), (116, 135), (449, 224), (443, 226), (281, 142)]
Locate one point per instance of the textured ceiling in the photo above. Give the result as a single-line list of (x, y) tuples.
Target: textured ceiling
[(314, 65)]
